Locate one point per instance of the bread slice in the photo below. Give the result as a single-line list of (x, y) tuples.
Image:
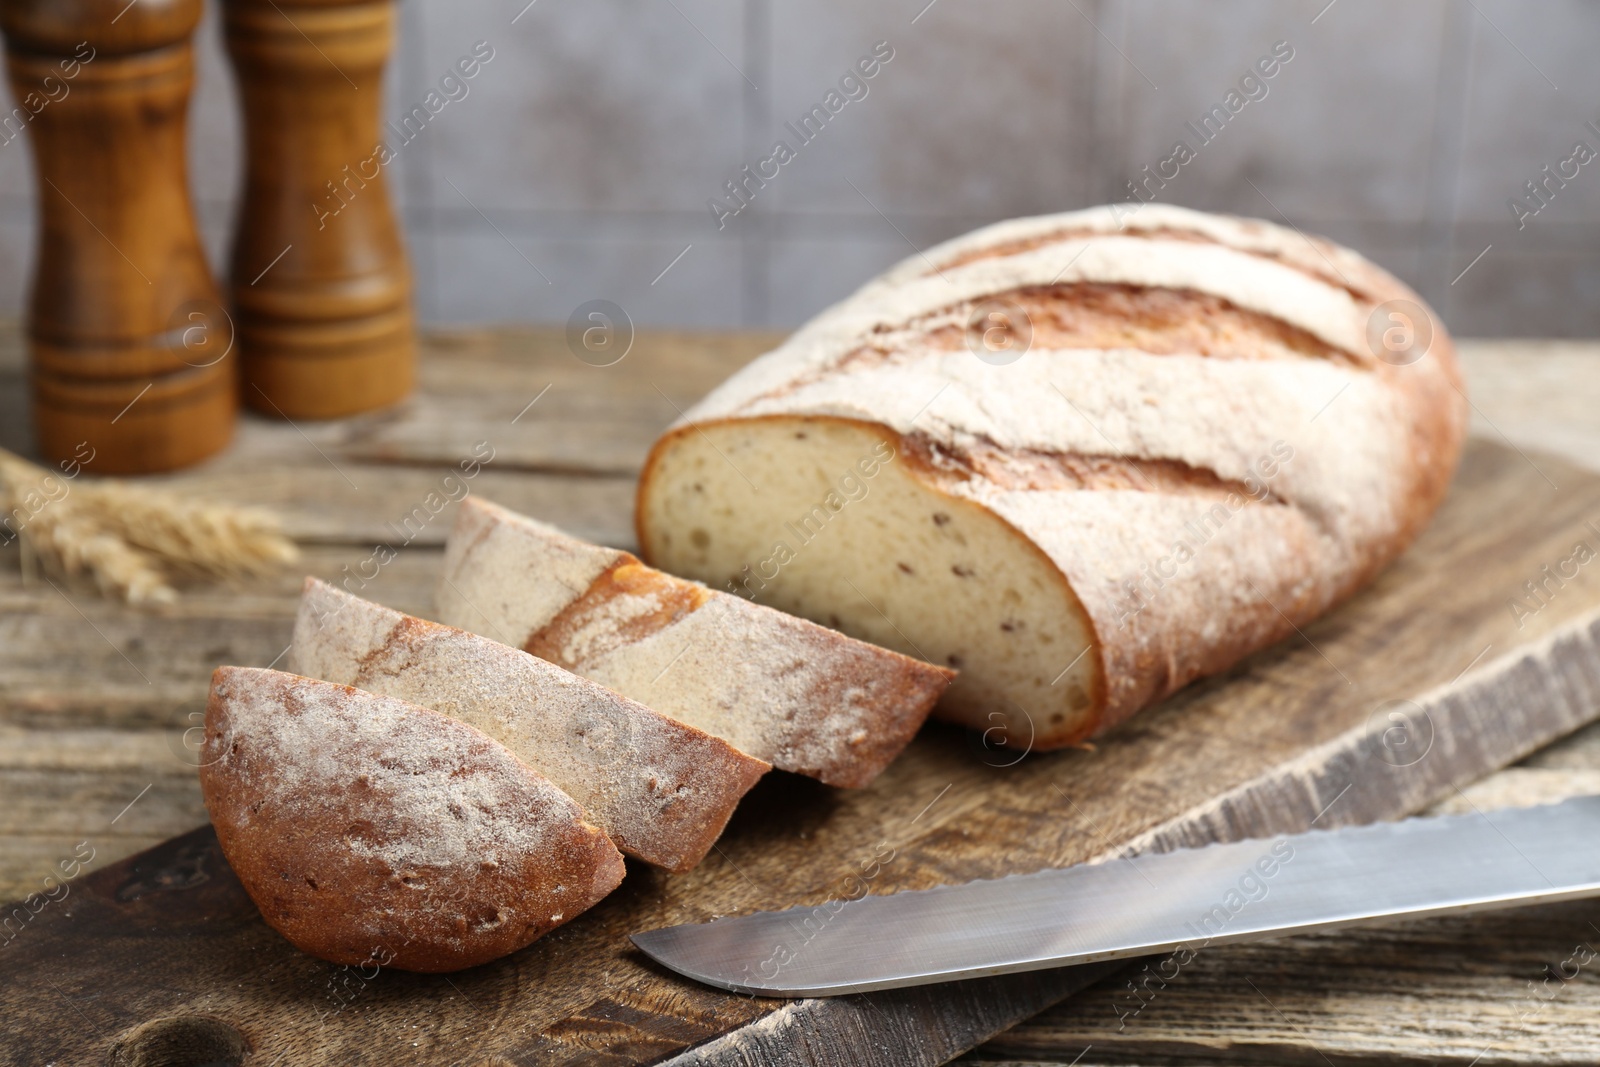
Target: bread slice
[(662, 789), (370, 830), (784, 690), (1085, 458)]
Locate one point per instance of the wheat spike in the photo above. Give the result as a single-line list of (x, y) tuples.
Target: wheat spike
[(212, 539), (132, 539)]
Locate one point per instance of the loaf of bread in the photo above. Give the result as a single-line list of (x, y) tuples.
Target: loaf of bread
[(370, 830), (662, 789), (778, 688), (1085, 458)]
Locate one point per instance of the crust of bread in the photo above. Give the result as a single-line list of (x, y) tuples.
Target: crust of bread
[(662, 789), (370, 830), (1171, 355), (797, 695)]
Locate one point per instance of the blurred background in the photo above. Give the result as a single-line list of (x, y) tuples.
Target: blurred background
[(580, 163)]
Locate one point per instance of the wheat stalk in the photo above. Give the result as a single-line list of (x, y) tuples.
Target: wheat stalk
[(133, 540)]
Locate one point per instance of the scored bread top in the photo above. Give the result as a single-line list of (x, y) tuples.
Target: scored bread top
[(1172, 353), (662, 789), (367, 829), (507, 576), (785, 690)]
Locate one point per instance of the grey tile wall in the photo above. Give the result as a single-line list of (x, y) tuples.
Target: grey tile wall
[(581, 163)]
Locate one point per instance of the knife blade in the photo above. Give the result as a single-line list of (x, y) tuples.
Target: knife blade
[(1132, 906)]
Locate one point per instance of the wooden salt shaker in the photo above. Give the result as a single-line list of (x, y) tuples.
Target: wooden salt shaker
[(321, 289), (130, 351)]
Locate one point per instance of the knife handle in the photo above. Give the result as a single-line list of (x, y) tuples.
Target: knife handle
[(130, 351)]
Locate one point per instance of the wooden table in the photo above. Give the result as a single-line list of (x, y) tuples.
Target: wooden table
[(94, 698)]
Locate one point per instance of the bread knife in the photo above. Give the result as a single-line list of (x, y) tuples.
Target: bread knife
[(1182, 901)]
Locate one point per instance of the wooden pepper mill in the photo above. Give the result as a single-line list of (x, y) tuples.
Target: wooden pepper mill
[(131, 353), (321, 289)]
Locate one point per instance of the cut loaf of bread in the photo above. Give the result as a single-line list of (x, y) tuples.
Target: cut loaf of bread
[(784, 690), (1085, 458), (370, 830), (662, 789)]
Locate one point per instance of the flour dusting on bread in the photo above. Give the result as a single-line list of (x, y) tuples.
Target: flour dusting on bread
[(365, 827)]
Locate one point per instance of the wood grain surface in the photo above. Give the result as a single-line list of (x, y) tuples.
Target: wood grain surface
[(128, 338), (321, 287), (94, 701)]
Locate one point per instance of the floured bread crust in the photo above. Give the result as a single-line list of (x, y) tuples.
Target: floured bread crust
[(1202, 449), (662, 789), (370, 830), (779, 688)]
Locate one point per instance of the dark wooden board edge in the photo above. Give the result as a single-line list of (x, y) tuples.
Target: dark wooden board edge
[(1480, 722)]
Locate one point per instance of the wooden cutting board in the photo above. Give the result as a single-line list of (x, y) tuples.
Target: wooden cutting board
[(1424, 682)]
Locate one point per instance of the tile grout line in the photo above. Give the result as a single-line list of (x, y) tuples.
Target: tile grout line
[(1441, 208), (755, 115), (418, 177)]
